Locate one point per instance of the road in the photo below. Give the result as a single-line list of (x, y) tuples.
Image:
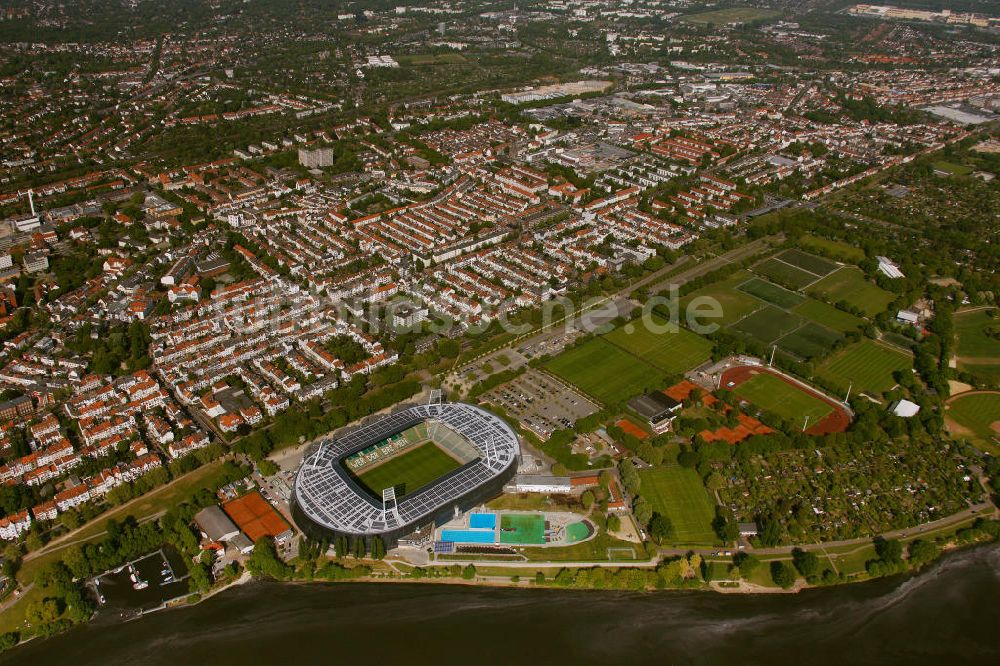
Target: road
[(778, 552), (598, 312), (947, 521)]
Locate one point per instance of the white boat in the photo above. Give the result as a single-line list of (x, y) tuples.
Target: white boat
[(140, 585)]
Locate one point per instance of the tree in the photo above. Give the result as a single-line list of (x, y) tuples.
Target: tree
[(922, 552), (360, 549), (660, 528), (614, 522), (267, 467), (378, 548), (806, 562), (889, 550), (200, 579), (746, 563), (264, 561), (587, 499), (340, 546), (642, 511), (715, 482), (782, 574), (469, 572)]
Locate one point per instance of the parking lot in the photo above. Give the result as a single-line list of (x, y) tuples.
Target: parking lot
[(541, 403)]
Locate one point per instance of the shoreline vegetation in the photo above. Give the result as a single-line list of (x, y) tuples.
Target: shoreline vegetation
[(743, 574)]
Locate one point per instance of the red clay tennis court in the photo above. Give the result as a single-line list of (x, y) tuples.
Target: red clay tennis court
[(255, 516)]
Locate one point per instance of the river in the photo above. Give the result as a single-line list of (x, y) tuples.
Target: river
[(945, 615)]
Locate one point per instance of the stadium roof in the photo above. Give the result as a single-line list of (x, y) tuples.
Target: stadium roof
[(328, 495)]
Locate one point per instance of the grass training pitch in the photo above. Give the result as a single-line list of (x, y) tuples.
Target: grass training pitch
[(976, 414), (809, 341), (785, 274), (730, 15), (849, 284), (605, 371), (973, 329), (768, 324), (678, 493), (808, 262), (735, 304), (674, 352), (829, 316), (409, 471), (772, 293), (868, 364), (777, 396), (833, 247)]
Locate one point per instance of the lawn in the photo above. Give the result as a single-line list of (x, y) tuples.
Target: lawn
[(730, 15), (974, 339), (772, 293), (784, 273), (835, 248), (978, 413), (735, 304), (953, 169), (849, 284), (768, 324), (809, 341), (678, 493), (522, 528), (674, 352), (808, 262), (828, 316), (605, 371), (410, 471), (779, 397), (868, 364)]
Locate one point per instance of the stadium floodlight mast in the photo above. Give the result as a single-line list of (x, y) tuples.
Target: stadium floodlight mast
[(388, 501)]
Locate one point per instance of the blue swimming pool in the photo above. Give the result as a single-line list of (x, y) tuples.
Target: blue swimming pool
[(483, 521), (469, 536)]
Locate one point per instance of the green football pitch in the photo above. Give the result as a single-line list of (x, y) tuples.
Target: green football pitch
[(409, 471), (781, 398), (678, 493)]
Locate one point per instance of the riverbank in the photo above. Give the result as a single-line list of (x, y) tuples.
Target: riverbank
[(944, 614)]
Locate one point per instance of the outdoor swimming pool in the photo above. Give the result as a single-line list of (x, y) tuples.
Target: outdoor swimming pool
[(469, 536), (483, 521)]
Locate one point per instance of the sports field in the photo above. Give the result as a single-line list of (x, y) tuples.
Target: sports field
[(409, 471), (953, 169), (523, 528), (678, 493), (836, 248), (674, 352), (868, 364), (785, 274), (849, 284), (605, 371), (828, 316), (976, 414), (781, 398), (809, 341), (735, 304), (729, 15), (772, 293), (973, 329), (768, 324), (808, 262)]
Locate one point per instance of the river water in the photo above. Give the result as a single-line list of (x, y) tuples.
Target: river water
[(946, 615)]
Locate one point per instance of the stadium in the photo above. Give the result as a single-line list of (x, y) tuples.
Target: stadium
[(403, 471)]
